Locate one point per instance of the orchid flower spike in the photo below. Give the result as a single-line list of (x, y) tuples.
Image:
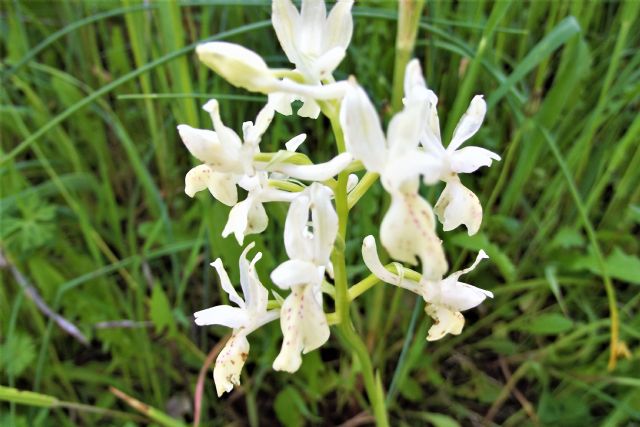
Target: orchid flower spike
[(457, 205), (445, 298), (303, 321), (228, 162), (250, 314), (408, 228)]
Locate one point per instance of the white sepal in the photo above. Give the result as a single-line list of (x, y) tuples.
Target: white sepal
[(362, 129), (223, 315), (202, 144), (470, 159), (469, 123)]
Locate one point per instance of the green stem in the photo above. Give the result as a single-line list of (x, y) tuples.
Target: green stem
[(409, 12), (375, 393), (370, 281), (360, 190), (353, 340)]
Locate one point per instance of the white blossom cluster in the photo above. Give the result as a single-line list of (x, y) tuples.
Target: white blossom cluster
[(412, 151)]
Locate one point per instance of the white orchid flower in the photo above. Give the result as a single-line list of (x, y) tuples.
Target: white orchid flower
[(445, 298), (246, 69), (408, 228), (228, 161), (250, 314), (314, 42), (303, 322), (249, 216), (457, 205)]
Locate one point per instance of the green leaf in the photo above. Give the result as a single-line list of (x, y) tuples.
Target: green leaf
[(547, 324), (439, 420), (17, 354), (411, 390), (160, 311), (567, 411), (10, 394), (288, 413), (567, 237), (620, 265)]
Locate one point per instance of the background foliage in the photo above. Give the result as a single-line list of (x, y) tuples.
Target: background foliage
[(94, 218)]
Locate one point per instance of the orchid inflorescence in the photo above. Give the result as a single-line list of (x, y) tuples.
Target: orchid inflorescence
[(411, 151)]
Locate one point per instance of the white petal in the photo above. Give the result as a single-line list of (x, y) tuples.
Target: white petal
[(295, 272), (458, 205), (238, 65), (229, 363), (304, 328), (469, 123), (202, 144), (255, 294), (413, 79), (319, 172), (461, 296), (226, 283), (452, 293), (329, 61), (362, 130), (296, 240), (455, 295), (408, 230), (431, 139), (470, 159), (405, 128), (325, 222), (401, 172), (254, 132), (445, 321), (481, 255), (313, 14), (371, 260), (339, 25), (286, 23), (227, 137), (224, 315), (295, 142), (247, 217)]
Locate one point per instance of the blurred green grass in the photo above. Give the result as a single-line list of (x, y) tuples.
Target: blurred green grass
[(94, 216)]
